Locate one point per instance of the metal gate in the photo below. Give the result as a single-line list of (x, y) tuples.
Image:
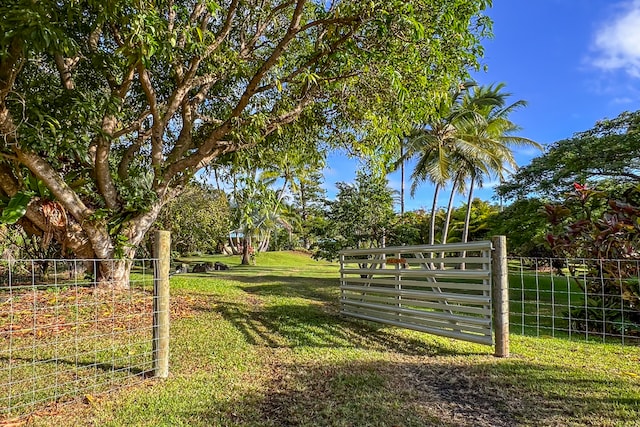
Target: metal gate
[(440, 289)]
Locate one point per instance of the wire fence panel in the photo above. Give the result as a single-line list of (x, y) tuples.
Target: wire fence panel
[(582, 299), (62, 336)]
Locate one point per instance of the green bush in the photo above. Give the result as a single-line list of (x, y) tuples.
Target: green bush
[(606, 234)]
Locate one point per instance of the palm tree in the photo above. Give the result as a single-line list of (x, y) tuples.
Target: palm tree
[(488, 128), (469, 139), (433, 144)]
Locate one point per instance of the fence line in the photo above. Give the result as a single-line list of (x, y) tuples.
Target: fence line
[(582, 299), (62, 336)]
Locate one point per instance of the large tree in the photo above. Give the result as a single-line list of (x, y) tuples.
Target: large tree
[(199, 219), (361, 216), (490, 131), (114, 105), (468, 139), (433, 143), (610, 150)]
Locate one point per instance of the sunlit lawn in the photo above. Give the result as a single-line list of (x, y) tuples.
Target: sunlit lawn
[(265, 345)]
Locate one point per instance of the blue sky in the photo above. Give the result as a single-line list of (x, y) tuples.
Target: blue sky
[(573, 61)]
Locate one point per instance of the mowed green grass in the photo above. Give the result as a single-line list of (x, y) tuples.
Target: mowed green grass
[(265, 345), (544, 303)]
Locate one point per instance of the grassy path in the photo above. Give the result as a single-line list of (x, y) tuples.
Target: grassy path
[(265, 346)]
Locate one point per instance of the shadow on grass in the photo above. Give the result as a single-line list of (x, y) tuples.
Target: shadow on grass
[(435, 393), (279, 285), (312, 325), (292, 287), (317, 323), (37, 383), (55, 362)]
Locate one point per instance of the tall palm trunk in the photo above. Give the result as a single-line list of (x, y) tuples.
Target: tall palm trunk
[(246, 254), (432, 230), (467, 220), (447, 220), (402, 179), (264, 244)]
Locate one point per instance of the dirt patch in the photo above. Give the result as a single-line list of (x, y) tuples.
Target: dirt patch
[(386, 394), (459, 395)]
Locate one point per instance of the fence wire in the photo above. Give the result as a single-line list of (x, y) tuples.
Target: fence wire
[(62, 336), (582, 299)]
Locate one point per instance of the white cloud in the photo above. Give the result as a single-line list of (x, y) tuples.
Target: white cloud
[(622, 100), (617, 42)]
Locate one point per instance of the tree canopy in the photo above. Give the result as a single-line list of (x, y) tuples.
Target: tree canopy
[(360, 216), (199, 219), (112, 106), (468, 138), (610, 150)]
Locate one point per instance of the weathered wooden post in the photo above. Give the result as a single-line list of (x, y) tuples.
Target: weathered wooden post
[(162, 251), (500, 295)]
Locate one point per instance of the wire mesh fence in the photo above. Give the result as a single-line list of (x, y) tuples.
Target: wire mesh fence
[(65, 336), (582, 299)]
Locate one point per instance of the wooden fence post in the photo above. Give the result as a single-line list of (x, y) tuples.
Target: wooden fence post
[(500, 295), (162, 253)]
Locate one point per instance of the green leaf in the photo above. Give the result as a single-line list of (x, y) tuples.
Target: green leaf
[(16, 208)]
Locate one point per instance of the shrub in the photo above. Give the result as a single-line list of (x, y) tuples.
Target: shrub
[(605, 233)]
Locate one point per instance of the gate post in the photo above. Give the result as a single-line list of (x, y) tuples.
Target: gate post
[(500, 295), (162, 253)]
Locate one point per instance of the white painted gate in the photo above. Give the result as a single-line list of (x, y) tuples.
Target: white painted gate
[(440, 289)]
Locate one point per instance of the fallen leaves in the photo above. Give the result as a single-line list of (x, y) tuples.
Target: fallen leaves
[(15, 422)]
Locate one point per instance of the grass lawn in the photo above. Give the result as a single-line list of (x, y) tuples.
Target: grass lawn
[(543, 302), (265, 346)]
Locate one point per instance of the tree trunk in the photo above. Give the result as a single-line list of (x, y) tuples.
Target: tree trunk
[(447, 220), (432, 230), (246, 256), (305, 216), (467, 220), (264, 244), (115, 268), (235, 243), (401, 179), (113, 274)]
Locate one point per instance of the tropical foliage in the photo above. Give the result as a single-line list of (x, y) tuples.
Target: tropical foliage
[(114, 105), (468, 140), (360, 216), (199, 219), (524, 226), (608, 151), (601, 231)]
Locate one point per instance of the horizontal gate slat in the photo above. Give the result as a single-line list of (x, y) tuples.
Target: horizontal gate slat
[(449, 260), (459, 274), (420, 321), (481, 311), (424, 284), (420, 261), (479, 339), (430, 296), (479, 321), (449, 247)]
